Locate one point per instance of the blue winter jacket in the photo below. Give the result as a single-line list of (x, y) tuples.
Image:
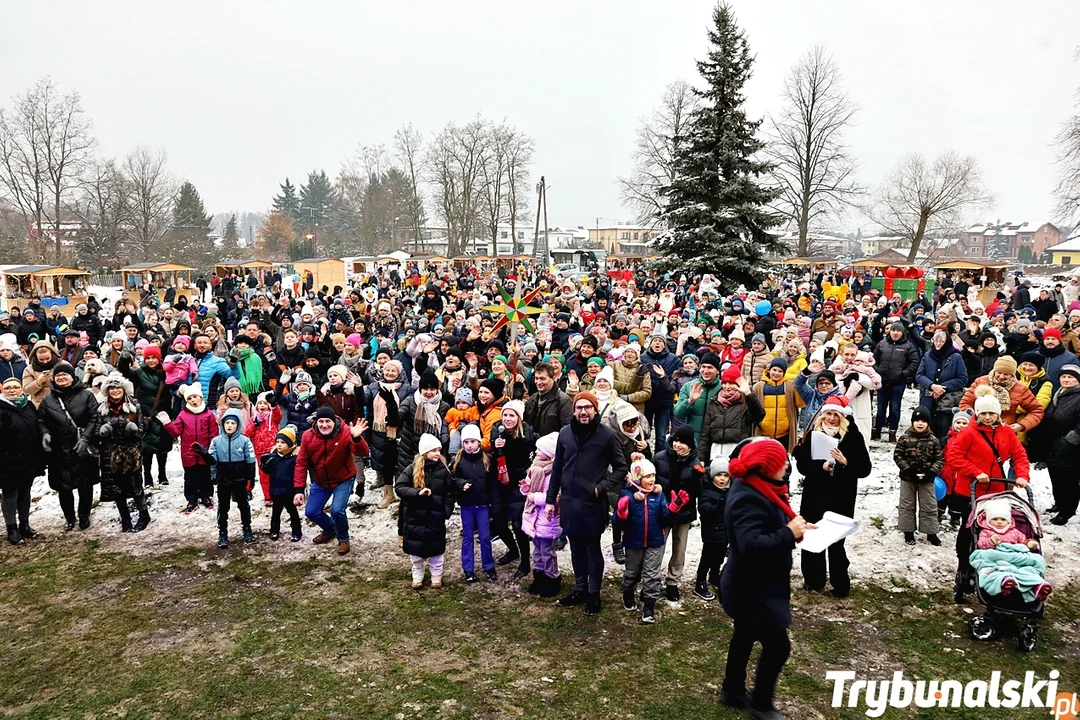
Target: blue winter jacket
[(806, 386), (644, 524), (232, 456), (949, 371), (212, 367)]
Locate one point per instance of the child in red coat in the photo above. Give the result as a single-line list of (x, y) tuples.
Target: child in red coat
[(194, 425), (262, 428)]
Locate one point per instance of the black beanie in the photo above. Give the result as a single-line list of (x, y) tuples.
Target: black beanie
[(684, 434), (457, 352), (495, 386), (1034, 358), (429, 381), (63, 368), (325, 412), (920, 413), (711, 359)]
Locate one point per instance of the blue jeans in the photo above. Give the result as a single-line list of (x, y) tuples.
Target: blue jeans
[(476, 519), (338, 521), (889, 398), (660, 419)]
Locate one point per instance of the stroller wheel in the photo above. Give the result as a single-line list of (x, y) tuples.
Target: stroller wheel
[(1027, 638), (982, 627)]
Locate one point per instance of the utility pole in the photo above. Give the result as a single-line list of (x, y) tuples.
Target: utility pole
[(536, 231)]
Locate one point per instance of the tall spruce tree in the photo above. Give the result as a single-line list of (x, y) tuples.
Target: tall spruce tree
[(189, 236), (287, 201), (717, 212), (230, 241)]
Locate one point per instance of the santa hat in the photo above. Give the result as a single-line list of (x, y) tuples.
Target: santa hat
[(837, 403), (765, 457)]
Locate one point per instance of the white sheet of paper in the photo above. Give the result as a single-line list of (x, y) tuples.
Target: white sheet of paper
[(821, 444), (831, 528)]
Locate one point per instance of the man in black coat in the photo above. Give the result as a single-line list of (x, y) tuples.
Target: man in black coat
[(896, 360), (549, 409), (588, 463)]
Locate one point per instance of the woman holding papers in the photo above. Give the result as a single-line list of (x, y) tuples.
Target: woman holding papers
[(831, 457), (756, 581)]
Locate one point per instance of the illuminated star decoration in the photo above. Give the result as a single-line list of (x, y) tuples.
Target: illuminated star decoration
[(516, 309)]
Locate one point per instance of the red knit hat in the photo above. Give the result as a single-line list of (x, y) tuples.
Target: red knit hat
[(731, 374), (1052, 332), (765, 457), (152, 351)]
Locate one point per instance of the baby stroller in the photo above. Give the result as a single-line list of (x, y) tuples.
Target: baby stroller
[(998, 607)]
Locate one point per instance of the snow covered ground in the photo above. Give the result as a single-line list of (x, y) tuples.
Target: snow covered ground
[(877, 551)]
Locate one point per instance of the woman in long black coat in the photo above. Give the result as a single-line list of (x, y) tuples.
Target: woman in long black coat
[(1056, 441), (831, 489), (21, 457), (118, 428), (756, 580), (65, 415)]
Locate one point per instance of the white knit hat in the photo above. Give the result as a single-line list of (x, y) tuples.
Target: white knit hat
[(517, 407), (986, 401), (641, 468), (997, 508), (624, 411), (469, 432), (339, 369), (427, 443), (547, 444), (606, 373)]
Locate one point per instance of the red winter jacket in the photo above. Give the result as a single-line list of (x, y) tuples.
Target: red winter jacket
[(193, 428), (329, 457), (968, 455)]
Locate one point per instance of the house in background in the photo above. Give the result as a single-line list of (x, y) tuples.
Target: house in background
[(1066, 253), (623, 238), (979, 240)]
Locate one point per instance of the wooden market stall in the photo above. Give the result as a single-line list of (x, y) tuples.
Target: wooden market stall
[(884, 259), (55, 286), (989, 275), (161, 276), (226, 267), (326, 271)]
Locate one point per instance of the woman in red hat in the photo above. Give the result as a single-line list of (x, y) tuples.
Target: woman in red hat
[(755, 583)]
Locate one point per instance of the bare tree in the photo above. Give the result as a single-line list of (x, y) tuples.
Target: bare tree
[(519, 152), (657, 138), (920, 199), (493, 176), (1068, 161), (45, 144), (102, 206), (812, 165), (152, 192), (455, 160), (408, 145)]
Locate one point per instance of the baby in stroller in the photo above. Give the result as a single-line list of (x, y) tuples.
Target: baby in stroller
[(1005, 559)]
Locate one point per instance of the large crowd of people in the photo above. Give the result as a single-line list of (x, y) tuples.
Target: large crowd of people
[(624, 413)]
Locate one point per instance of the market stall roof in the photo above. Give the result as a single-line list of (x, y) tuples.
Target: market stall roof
[(967, 264), (244, 263), (885, 258), (156, 267), (823, 260), (41, 270), (430, 258), (309, 261)]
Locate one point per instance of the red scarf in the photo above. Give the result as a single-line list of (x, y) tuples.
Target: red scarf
[(777, 494)]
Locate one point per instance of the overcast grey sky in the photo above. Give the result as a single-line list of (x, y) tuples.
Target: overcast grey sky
[(244, 92)]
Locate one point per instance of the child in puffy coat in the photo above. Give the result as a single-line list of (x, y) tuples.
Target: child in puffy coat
[(180, 369), (1006, 559), (919, 458), (641, 511), (714, 542), (279, 468), (262, 428), (195, 424), (232, 457), (474, 481), (534, 521)]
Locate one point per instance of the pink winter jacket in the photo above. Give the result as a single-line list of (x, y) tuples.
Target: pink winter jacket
[(534, 522), (193, 428), (988, 535), (185, 371)]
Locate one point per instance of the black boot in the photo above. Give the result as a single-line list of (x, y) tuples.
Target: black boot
[(84, 522), (223, 539), (875, 433), (576, 597), (592, 604), (509, 557), (28, 532), (125, 515), (522, 571), (552, 587), (648, 612), (13, 535), (536, 584), (628, 601), (69, 524), (249, 537), (144, 515)]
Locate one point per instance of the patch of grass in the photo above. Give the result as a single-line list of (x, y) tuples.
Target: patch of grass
[(94, 634)]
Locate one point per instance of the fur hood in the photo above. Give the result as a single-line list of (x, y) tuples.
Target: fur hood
[(349, 388), (115, 379)]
